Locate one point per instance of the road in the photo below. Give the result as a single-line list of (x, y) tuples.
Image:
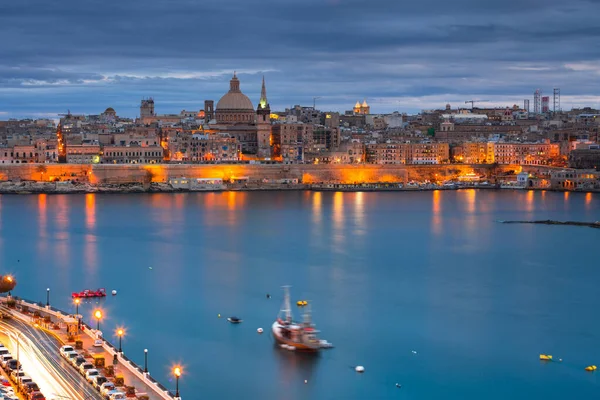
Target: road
[(41, 360)]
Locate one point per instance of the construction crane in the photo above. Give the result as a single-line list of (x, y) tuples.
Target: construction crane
[(474, 101), (315, 102)]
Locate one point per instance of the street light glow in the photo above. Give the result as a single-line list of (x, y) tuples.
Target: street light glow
[(177, 371), (77, 301), (98, 314), (120, 332)]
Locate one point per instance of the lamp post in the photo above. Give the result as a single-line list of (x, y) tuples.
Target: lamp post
[(177, 372), (120, 334), (77, 301), (98, 315), (48, 297), (146, 361)]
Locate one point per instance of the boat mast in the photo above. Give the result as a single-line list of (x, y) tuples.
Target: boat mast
[(287, 308)]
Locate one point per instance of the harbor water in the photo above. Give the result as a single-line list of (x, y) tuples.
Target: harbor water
[(423, 289)]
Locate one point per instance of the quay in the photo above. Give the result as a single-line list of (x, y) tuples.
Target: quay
[(130, 377)]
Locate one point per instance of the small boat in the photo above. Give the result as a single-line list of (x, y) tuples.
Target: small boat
[(291, 335), (545, 357), (301, 303), (85, 294), (234, 320)]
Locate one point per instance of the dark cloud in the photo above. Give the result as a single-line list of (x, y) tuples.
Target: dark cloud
[(402, 55)]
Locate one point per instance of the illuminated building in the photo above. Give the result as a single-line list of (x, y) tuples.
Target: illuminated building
[(83, 154), (361, 109)]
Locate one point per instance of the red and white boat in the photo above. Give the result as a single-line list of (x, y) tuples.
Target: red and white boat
[(301, 336), (85, 294)]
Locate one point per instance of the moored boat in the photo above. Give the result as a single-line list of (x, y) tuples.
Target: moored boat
[(89, 294), (301, 336)]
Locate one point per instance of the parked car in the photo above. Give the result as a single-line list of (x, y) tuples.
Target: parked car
[(15, 375), (98, 380), (24, 380), (66, 349), (111, 392), (36, 396), (106, 387), (12, 365), (91, 374), (77, 361), (70, 355), (3, 351), (117, 396), (84, 367), (4, 359), (30, 387)]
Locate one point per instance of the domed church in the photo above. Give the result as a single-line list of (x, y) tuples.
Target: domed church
[(235, 114), (234, 106)]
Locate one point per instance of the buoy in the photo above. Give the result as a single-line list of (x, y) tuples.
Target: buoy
[(149, 267), (219, 315), (259, 330), (114, 292), (591, 368), (398, 385), (268, 296), (414, 352), (305, 381), (545, 357), (359, 368)]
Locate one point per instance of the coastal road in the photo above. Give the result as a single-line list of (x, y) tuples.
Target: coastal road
[(41, 360)]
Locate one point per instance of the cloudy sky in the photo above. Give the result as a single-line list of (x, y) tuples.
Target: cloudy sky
[(87, 55)]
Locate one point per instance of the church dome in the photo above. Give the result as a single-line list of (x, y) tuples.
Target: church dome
[(110, 110), (235, 99)]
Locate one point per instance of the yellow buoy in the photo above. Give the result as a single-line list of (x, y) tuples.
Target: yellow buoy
[(219, 315), (545, 357), (299, 303), (591, 368)]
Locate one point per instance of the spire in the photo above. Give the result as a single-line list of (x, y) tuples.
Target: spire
[(263, 103)]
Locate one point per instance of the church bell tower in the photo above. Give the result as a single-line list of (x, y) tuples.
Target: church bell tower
[(263, 124)]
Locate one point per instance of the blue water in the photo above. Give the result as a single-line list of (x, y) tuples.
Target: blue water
[(387, 274)]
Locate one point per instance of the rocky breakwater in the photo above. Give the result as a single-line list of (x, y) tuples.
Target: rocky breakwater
[(31, 187)]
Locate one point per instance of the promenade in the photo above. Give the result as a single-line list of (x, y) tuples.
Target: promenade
[(135, 382)]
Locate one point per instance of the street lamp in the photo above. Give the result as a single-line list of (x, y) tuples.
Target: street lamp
[(48, 297), (120, 333), (177, 373), (77, 301), (146, 360), (98, 316)]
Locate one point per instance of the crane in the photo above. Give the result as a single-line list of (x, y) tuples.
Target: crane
[(315, 102), (474, 101)]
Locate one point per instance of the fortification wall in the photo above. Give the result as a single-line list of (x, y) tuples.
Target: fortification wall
[(307, 173)]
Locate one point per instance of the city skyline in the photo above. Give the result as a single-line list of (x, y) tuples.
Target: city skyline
[(400, 57)]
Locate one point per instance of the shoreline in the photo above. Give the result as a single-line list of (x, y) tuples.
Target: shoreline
[(35, 188)]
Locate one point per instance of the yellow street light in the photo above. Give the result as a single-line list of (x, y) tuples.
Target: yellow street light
[(177, 373), (120, 333), (98, 316)]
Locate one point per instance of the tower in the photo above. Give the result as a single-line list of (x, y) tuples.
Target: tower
[(556, 104), (209, 110), (263, 124), (537, 101), (147, 108), (526, 105)]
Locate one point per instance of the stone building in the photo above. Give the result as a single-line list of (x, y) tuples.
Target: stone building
[(361, 109), (214, 148), (83, 154), (290, 141), (132, 155), (585, 158)]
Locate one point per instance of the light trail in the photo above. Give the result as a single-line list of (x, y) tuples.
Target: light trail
[(38, 353)]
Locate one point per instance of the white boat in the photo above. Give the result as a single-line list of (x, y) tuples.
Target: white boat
[(289, 334)]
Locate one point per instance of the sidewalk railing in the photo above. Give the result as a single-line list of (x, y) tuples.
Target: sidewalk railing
[(131, 366)]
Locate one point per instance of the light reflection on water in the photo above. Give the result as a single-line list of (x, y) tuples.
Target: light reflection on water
[(382, 274)]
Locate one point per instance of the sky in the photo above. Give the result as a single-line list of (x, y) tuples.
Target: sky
[(87, 55)]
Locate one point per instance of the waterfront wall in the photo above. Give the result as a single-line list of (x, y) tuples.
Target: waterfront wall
[(306, 173)]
